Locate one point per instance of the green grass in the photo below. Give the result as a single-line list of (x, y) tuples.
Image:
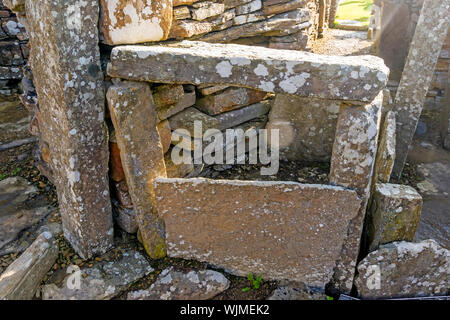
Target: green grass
[(358, 10)]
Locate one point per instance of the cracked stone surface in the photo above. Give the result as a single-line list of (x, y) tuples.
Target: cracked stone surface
[(183, 285)]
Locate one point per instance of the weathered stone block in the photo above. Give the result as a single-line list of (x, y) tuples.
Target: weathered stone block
[(188, 28), (297, 235), (229, 99), (404, 270), (180, 13), (352, 163), (135, 122), (393, 215), (125, 218), (123, 22), (22, 278), (65, 57), (277, 71), (187, 100), (247, 18), (207, 90), (251, 6), (307, 126)]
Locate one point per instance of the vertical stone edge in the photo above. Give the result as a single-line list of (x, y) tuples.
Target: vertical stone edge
[(431, 31), (352, 165), (65, 60), (134, 118)]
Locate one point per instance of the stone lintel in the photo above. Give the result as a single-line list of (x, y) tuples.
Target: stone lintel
[(278, 71)]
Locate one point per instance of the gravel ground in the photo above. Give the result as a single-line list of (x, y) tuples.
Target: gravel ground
[(343, 43)]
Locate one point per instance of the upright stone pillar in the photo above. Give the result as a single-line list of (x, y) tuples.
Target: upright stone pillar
[(352, 163), (424, 51), (65, 61), (134, 117)]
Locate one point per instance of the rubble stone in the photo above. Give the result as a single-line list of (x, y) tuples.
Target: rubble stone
[(393, 215), (404, 269), (178, 285), (22, 278)]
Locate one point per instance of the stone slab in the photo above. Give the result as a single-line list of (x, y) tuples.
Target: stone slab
[(127, 21), (239, 116), (406, 270), (102, 281), (22, 278), (66, 58), (186, 101), (424, 51), (134, 117), (393, 215), (277, 71), (280, 230), (183, 285), (385, 159), (352, 163)]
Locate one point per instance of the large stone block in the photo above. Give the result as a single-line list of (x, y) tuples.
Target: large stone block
[(352, 163), (277, 71), (65, 60), (22, 278), (393, 215), (404, 270), (134, 117), (279, 230), (424, 51), (127, 21), (307, 126)]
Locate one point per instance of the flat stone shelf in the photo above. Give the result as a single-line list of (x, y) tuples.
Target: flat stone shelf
[(357, 78)]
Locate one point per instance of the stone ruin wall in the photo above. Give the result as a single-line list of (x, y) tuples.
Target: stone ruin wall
[(339, 100), (399, 20), (14, 50)]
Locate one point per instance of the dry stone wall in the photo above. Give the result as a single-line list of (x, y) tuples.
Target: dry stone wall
[(14, 50)]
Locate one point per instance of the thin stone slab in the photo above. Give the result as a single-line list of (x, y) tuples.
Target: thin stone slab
[(103, 280), (134, 117), (278, 71), (424, 52), (237, 117), (127, 21), (22, 278), (183, 285), (186, 101), (280, 230), (352, 163), (65, 60), (393, 215)]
